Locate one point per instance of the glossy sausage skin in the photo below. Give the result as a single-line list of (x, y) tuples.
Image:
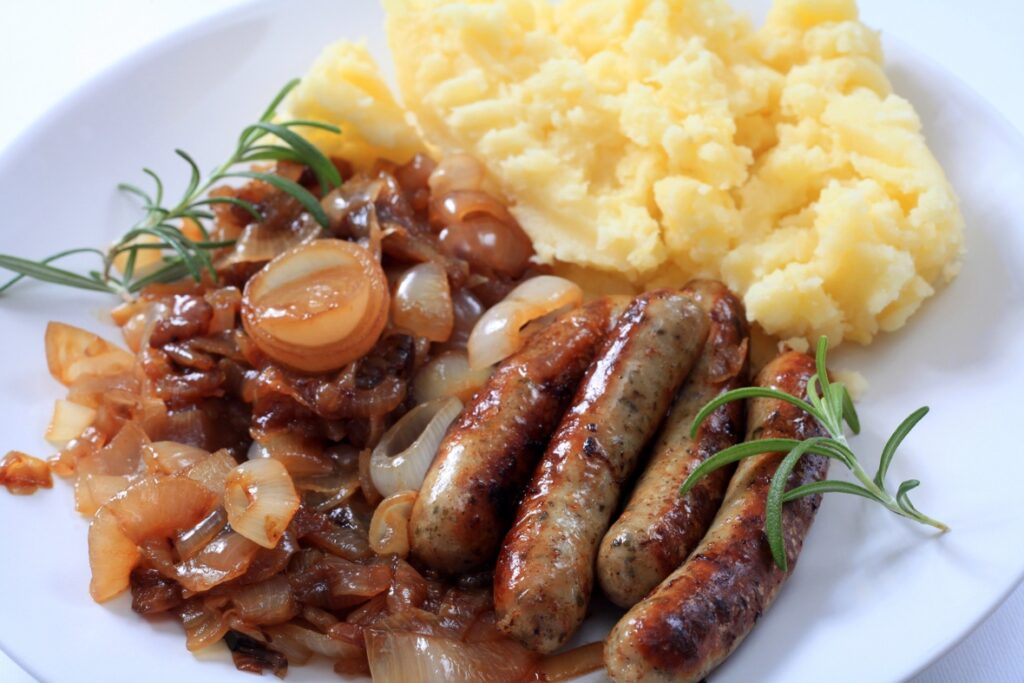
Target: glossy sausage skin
[(658, 528), (470, 493), (544, 574), (703, 610)]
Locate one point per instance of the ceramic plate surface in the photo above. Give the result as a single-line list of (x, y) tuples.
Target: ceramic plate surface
[(873, 597)]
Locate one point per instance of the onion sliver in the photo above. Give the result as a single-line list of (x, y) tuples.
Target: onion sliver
[(112, 556), (389, 528), (422, 303), (497, 334), (226, 557), (68, 421), (260, 500), (397, 657), (448, 374), (318, 306), (401, 459), (267, 602)]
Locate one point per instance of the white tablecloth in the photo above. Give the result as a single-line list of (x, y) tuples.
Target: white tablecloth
[(49, 47)]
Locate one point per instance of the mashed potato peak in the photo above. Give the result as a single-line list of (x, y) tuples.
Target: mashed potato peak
[(663, 140)]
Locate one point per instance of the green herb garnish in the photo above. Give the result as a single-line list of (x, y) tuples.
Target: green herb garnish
[(184, 256), (830, 404)]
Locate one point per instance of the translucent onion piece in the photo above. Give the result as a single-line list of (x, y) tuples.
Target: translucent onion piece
[(22, 474), (318, 306), (112, 556), (468, 309), (72, 353), (497, 334), (422, 303), (225, 303), (311, 640), (169, 457), (261, 242), (300, 455), (226, 557), (92, 491), (260, 500), (158, 508), (389, 528), (204, 625), (188, 543), (68, 421), (578, 661), (397, 657), (448, 374), (212, 473), (456, 172), (267, 602), (122, 456), (401, 459)]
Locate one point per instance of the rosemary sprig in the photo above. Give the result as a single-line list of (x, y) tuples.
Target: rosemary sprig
[(182, 256), (830, 404)]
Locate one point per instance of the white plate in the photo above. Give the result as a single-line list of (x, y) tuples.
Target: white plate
[(873, 598)]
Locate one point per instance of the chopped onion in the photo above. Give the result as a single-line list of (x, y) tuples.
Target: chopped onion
[(422, 303), (225, 303), (169, 457), (260, 500), (122, 456), (72, 353), (158, 508), (309, 639), (22, 474), (112, 556), (267, 602), (213, 472), (68, 421), (226, 557), (497, 334), (468, 309), (92, 491), (318, 306), (389, 528), (204, 625), (456, 172), (448, 374), (301, 456), (397, 657), (578, 661), (401, 459), (188, 543)]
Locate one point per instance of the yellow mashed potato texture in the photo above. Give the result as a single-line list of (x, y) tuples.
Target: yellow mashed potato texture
[(666, 139)]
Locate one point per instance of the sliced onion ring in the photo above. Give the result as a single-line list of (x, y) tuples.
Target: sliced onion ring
[(496, 335), (260, 500), (422, 303), (401, 459), (318, 306), (389, 528)]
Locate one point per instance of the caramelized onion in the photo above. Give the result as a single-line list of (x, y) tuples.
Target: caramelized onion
[(158, 508), (112, 556), (389, 528), (497, 334), (401, 459), (260, 500), (92, 491), (578, 661), (397, 657), (226, 557), (422, 303), (267, 602), (72, 353), (317, 307), (456, 172), (68, 421), (168, 457), (23, 474), (188, 543), (289, 636), (204, 625), (300, 455), (448, 374), (213, 472)]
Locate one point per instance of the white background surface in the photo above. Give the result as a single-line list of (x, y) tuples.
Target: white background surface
[(47, 49)]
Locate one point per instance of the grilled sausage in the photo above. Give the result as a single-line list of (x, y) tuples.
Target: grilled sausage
[(659, 528), (544, 574), (469, 496), (703, 610)]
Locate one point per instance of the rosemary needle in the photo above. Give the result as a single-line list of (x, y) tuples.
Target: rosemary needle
[(182, 256), (830, 404)]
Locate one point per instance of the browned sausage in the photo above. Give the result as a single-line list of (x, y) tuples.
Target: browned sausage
[(703, 610), (545, 571), (659, 528), (468, 499)]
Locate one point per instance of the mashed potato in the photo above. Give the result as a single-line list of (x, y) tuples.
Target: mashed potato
[(664, 139)]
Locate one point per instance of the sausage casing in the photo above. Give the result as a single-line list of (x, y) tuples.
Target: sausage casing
[(468, 498), (703, 610), (658, 528), (544, 574)]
